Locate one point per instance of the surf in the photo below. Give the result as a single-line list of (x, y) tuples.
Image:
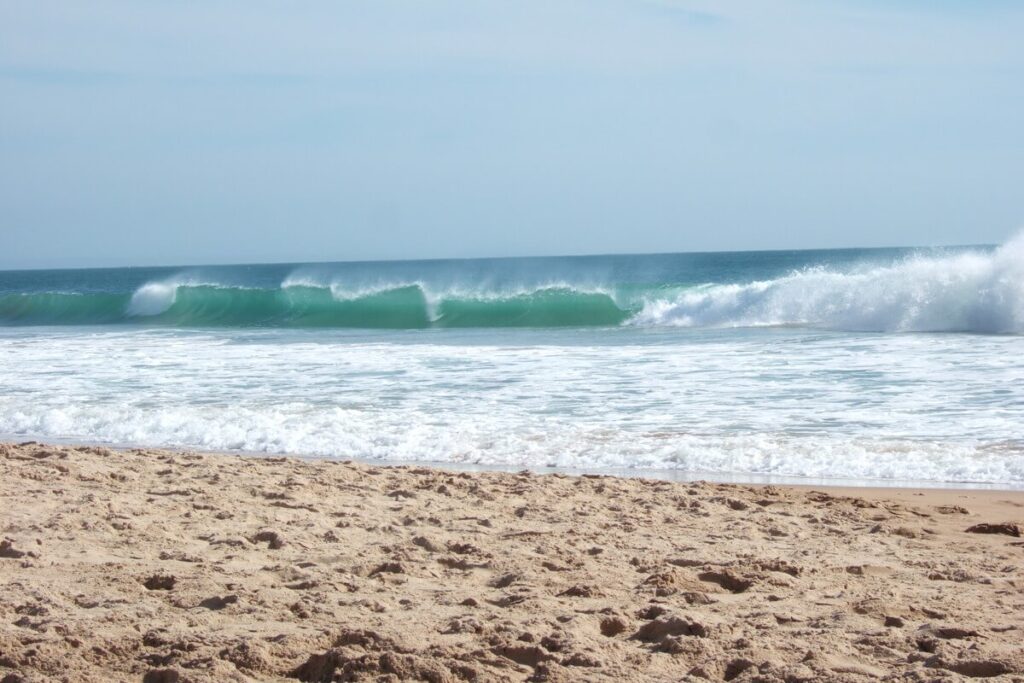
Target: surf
[(964, 290)]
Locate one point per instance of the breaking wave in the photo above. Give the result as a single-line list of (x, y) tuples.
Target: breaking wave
[(966, 292), (969, 291), (397, 307)]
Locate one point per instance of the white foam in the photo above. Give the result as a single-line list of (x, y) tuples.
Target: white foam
[(343, 433), (967, 292), (301, 281), (344, 291), (938, 407), (152, 298)]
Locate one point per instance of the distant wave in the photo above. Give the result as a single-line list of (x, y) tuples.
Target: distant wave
[(964, 292)]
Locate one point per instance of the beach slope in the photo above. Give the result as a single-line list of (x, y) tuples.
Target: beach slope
[(165, 566)]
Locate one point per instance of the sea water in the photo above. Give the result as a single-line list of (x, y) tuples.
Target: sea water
[(890, 365)]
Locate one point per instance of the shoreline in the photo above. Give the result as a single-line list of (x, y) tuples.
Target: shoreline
[(657, 474), (173, 566)]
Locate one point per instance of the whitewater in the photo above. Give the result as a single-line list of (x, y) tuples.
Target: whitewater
[(868, 366)]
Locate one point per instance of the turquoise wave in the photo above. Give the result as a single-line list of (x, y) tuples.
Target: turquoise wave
[(976, 290), (400, 307)]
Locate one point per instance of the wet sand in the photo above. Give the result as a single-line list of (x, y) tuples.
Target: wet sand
[(158, 566)]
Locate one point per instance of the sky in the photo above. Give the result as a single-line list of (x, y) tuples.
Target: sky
[(174, 132)]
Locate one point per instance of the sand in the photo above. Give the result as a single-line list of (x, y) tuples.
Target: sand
[(158, 566)]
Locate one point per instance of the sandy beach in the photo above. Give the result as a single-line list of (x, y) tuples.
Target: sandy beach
[(155, 566)]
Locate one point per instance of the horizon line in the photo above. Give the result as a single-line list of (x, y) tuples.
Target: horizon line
[(497, 258)]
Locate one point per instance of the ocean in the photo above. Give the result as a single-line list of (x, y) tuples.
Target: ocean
[(880, 366)]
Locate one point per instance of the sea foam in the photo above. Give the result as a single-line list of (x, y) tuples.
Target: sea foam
[(788, 402), (966, 292)]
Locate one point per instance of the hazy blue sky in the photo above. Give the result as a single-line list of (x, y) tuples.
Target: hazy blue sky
[(168, 132)]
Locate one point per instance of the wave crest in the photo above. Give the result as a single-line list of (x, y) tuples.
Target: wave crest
[(299, 303)]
